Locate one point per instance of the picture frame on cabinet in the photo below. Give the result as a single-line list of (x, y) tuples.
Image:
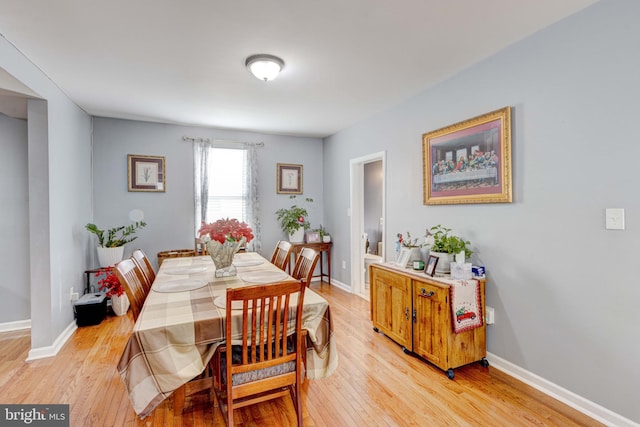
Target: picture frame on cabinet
[(403, 257), (469, 161), (313, 236), (146, 173), (430, 266)]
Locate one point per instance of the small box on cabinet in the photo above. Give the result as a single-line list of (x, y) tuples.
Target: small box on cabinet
[(90, 309), (477, 270)]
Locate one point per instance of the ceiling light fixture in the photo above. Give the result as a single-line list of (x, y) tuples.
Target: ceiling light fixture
[(264, 67)]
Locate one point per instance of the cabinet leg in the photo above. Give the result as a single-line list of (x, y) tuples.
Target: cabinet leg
[(406, 351), (484, 362), (450, 374), (376, 329)]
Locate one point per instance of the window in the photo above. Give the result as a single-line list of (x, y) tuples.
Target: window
[(226, 190), (226, 184)]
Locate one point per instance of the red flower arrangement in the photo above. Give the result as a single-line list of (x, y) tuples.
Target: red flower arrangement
[(226, 230), (110, 282)]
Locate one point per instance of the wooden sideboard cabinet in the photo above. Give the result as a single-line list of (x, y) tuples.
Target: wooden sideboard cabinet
[(414, 310)]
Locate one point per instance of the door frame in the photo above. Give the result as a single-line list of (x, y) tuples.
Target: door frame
[(356, 168)]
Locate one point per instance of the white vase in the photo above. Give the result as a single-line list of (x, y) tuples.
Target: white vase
[(326, 238), (297, 236), (120, 304), (108, 257)]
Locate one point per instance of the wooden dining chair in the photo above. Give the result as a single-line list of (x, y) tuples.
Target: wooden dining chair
[(305, 265), (131, 278), (143, 263), (266, 364), (281, 254)]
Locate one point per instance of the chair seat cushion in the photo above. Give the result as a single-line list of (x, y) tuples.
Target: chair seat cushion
[(258, 374)]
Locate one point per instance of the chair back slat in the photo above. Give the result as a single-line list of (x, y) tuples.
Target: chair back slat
[(131, 279), (265, 323), (305, 265), (281, 254), (141, 259)]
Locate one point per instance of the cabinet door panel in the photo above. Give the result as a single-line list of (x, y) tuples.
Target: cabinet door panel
[(391, 308), (429, 327)]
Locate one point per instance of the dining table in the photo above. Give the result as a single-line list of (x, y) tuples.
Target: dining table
[(182, 323)]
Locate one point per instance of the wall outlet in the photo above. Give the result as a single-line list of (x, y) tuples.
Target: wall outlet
[(73, 295), (491, 316), (344, 264)]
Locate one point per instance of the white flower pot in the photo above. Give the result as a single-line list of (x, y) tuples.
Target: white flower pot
[(326, 238), (297, 236), (110, 256), (120, 304)]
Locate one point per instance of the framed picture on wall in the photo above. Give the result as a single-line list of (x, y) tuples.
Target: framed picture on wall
[(146, 173), (289, 179), (469, 162)]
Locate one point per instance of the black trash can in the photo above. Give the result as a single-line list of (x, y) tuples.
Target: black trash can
[(90, 309)]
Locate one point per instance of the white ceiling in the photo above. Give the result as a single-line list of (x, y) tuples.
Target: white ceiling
[(183, 61)]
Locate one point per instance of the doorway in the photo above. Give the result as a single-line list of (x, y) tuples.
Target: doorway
[(368, 174)]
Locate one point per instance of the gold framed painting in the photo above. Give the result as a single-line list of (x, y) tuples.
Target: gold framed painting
[(469, 161), (289, 179), (146, 173)]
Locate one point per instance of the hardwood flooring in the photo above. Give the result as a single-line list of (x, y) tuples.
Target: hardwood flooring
[(376, 384)]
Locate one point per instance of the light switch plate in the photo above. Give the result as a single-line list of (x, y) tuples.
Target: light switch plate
[(614, 219)]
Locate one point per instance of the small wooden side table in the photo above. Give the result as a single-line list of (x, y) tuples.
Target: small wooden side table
[(322, 247)]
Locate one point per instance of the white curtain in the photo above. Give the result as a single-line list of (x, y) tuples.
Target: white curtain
[(253, 208), (202, 163), (201, 149)]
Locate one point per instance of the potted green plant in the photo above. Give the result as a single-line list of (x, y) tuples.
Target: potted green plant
[(324, 235), (292, 220), (412, 243), (445, 246), (111, 242)]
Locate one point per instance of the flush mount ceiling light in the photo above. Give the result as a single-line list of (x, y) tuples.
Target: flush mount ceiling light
[(264, 67)]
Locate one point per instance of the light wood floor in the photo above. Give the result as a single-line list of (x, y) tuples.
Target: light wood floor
[(376, 384)]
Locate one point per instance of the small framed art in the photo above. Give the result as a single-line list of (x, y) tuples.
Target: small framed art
[(289, 179), (313, 236), (403, 257), (430, 267), (146, 173)]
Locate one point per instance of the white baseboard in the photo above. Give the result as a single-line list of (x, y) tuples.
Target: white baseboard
[(579, 403), (15, 326), (52, 350), (341, 285)]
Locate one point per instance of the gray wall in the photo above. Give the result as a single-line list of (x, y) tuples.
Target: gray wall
[(170, 215), (59, 188), (14, 199), (564, 288)]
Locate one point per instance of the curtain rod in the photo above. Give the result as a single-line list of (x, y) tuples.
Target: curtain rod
[(209, 140)]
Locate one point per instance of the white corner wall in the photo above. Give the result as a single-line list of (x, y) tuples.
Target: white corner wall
[(59, 182)]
